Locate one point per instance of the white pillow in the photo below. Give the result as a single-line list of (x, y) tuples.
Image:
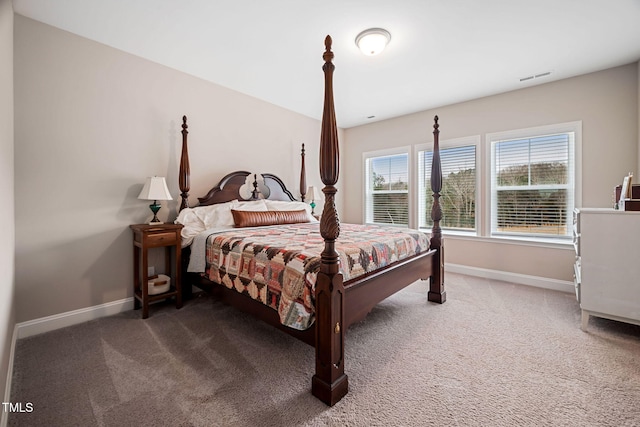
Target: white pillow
[(279, 205), (249, 205), (192, 225), (215, 216)]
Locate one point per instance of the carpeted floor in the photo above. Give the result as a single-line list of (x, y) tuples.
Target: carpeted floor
[(495, 354)]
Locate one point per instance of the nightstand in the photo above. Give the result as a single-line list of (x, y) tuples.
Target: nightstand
[(146, 237)]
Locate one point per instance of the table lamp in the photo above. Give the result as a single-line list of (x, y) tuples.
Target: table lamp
[(155, 188), (313, 193)]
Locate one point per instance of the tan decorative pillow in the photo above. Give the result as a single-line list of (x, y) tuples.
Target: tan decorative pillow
[(258, 218)]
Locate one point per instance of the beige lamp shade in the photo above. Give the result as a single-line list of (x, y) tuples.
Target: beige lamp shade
[(155, 188), (313, 193)]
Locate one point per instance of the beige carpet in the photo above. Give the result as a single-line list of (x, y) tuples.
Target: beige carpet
[(495, 354)]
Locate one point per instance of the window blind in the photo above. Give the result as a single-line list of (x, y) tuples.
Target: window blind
[(458, 195), (387, 189), (532, 185)]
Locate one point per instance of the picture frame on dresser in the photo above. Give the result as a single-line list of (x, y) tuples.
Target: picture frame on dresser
[(627, 199), (625, 191)]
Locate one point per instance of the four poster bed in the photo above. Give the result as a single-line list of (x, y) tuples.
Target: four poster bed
[(330, 280)]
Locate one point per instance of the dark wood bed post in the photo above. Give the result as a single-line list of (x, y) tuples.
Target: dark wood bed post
[(329, 383), (436, 286), (303, 177), (184, 174)]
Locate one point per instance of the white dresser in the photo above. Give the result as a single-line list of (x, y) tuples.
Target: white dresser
[(607, 267)]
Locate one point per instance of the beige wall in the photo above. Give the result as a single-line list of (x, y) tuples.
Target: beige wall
[(91, 123), (7, 242), (607, 104)]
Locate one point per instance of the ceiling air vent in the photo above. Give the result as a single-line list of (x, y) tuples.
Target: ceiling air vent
[(535, 76)]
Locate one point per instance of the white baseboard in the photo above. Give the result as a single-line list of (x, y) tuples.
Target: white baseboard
[(57, 321), (505, 276)]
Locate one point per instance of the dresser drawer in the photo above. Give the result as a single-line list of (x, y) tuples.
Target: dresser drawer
[(577, 277), (576, 231)]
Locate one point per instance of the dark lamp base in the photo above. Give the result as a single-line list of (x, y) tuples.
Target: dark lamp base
[(155, 207)]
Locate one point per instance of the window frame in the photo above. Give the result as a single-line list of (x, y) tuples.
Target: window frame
[(366, 156), (575, 175), (474, 140)]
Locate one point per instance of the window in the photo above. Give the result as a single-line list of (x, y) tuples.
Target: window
[(533, 183), (458, 195), (520, 185), (387, 188)]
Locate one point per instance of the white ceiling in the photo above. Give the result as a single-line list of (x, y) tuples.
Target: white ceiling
[(441, 51)]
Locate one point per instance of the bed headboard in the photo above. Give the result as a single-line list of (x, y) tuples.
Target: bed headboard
[(229, 189)]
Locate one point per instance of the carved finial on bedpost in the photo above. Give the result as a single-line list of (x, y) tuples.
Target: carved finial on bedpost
[(255, 193), (329, 383), (303, 177), (328, 54), (184, 174), (436, 185)]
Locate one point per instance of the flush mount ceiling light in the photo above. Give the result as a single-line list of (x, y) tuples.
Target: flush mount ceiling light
[(373, 41)]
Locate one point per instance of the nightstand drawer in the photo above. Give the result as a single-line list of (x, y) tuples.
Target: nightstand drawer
[(161, 239)]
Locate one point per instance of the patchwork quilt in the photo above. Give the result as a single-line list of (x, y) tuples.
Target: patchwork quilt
[(278, 265)]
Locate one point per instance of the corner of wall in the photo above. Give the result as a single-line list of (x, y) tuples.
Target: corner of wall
[(7, 208)]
